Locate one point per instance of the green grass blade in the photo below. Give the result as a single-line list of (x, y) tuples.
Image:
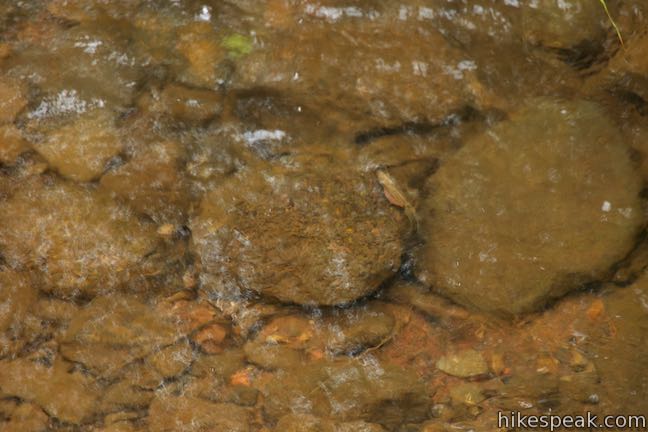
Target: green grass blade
[(616, 28)]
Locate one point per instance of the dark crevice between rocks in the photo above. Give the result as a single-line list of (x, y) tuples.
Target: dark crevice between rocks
[(633, 99), (626, 272), (465, 114), (582, 57), (318, 310), (33, 346)]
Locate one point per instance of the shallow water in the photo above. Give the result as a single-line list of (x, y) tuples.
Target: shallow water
[(321, 216)]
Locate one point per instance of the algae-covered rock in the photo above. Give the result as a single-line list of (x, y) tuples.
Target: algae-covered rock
[(362, 68), (564, 24), (17, 295), (512, 222), (200, 44), (79, 67), (346, 390), (26, 417), (34, 382), (84, 10), (81, 149), (320, 234), (12, 99), (185, 104), (309, 423), (78, 242), (170, 413), (12, 143), (151, 182), (111, 332)]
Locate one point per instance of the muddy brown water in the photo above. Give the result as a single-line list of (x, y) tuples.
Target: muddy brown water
[(290, 215)]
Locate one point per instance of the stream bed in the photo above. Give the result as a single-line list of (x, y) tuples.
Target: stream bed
[(322, 216)]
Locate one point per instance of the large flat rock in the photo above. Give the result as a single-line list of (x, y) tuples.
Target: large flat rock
[(531, 209)]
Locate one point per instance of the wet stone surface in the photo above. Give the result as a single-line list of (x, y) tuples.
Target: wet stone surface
[(361, 388), (110, 333), (297, 236), (573, 189), (389, 84), (321, 216), (81, 149), (84, 247)]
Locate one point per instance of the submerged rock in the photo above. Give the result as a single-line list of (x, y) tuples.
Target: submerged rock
[(184, 104), (26, 417), (12, 144), (78, 67), (171, 413), (361, 68), (354, 389), (12, 99), (81, 149), (621, 353), (84, 10), (111, 332), (78, 242), (530, 210), (564, 24), (199, 44), (17, 295), (320, 234), (151, 182), (309, 423), (292, 340), (464, 364), (34, 382)]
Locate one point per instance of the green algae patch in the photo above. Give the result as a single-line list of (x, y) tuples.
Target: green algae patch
[(237, 45)]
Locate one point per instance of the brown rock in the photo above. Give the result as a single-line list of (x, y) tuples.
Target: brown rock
[(126, 394), (172, 360), (464, 364), (77, 241), (12, 100), (210, 338), (12, 144), (354, 389), (151, 182), (17, 326), (362, 68), (36, 383), (17, 294), (296, 235), (564, 25), (200, 45), (309, 423), (512, 222), (113, 331), (170, 414), (218, 367), (80, 150), (190, 105), (26, 417)]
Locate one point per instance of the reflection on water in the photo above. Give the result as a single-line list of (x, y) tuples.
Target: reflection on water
[(320, 216)]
